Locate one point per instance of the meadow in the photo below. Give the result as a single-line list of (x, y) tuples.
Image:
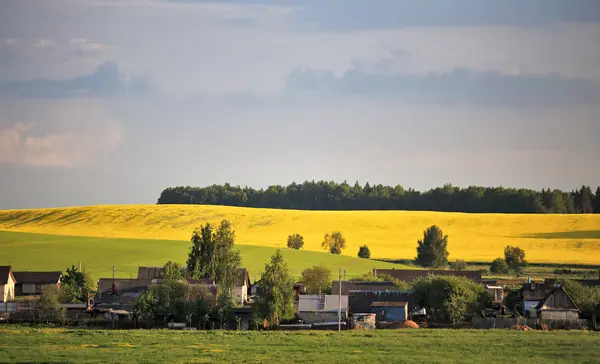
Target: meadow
[(60, 345), (97, 255), (389, 234)]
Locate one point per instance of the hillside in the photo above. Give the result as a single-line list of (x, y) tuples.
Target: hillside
[(57, 252), (389, 234)]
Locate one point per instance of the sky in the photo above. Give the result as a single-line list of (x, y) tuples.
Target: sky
[(111, 101)]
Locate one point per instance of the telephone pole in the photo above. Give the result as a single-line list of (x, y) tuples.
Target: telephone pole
[(340, 302)]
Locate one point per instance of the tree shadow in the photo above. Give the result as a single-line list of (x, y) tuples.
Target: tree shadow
[(587, 234)]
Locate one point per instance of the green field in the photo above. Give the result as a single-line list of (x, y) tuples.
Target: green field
[(21, 344), (57, 252)]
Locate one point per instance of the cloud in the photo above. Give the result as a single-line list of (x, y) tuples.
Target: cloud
[(106, 81), (460, 86), (66, 134)]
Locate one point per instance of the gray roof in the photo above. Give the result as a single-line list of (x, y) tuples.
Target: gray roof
[(37, 277)]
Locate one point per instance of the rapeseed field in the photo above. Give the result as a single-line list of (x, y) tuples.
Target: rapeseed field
[(389, 234)]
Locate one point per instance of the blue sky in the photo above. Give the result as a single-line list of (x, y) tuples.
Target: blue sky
[(110, 101)]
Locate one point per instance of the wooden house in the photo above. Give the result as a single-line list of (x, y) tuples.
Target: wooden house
[(558, 305)]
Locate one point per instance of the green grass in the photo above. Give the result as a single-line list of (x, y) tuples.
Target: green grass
[(22, 344), (57, 252)]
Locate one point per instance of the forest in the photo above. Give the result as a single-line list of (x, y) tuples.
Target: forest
[(329, 195)]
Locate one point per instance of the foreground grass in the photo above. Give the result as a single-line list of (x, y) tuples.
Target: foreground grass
[(389, 234), (57, 252), (21, 344)]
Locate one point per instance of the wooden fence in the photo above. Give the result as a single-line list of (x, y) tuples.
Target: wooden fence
[(508, 323)]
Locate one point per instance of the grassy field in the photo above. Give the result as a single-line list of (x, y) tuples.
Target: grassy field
[(57, 252), (389, 234), (21, 344)]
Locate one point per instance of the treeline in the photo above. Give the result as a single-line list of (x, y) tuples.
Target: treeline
[(325, 195)]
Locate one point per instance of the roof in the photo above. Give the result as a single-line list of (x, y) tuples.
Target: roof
[(408, 275), (314, 302), (557, 289), (37, 277), (5, 272), (106, 284), (389, 304)]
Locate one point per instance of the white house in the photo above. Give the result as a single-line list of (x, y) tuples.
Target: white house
[(7, 284)]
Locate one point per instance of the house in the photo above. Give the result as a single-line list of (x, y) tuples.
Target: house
[(242, 287), (321, 308), (34, 283), (408, 275), (7, 284), (532, 294), (348, 286), (119, 293), (557, 305), (390, 311)]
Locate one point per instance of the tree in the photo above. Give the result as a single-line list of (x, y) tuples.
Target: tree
[(450, 298), (458, 265), (586, 298), (335, 242), (364, 252), (597, 201), (432, 251), (515, 258), (76, 285), (499, 266), (212, 255), (275, 300), (48, 303), (295, 241), (171, 271), (316, 279), (145, 307)]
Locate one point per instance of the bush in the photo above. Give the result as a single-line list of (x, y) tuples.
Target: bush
[(364, 252), (316, 279), (499, 266), (458, 265), (295, 241)]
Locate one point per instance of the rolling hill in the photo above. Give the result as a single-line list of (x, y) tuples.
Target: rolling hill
[(389, 234)]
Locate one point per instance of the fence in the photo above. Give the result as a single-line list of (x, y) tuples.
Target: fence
[(507, 323), (8, 306)]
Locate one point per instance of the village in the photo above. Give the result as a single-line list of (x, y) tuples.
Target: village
[(351, 304)]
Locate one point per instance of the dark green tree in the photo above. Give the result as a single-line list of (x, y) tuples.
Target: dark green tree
[(364, 252), (275, 299), (316, 279), (515, 258), (76, 285), (295, 241), (499, 266), (171, 271), (48, 304), (584, 200), (334, 242), (432, 250), (597, 201)]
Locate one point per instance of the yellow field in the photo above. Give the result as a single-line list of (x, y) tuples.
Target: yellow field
[(389, 234)]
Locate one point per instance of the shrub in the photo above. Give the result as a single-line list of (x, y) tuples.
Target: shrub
[(458, 265), (499, 266), (432, 251), (295, 241), (364, 252)]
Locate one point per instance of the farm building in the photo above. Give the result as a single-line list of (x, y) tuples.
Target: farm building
[(557, 305), (348, 286), (7, 284), (408, 275), (321, 308), (390, 311), (34, 283)]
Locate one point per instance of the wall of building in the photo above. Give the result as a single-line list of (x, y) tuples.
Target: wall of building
[(320, 316), (7, 291), (241, 294), (390, 313), (559, 315)]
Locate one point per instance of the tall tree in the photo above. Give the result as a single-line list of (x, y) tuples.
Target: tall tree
[(316, 279), (212, 254), (584, 200), (515, 258), (76, 285), (275, 298), (171, 271), (597, 201), (432, 250), (334, 242)]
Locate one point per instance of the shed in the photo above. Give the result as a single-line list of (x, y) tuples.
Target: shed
[(34, 283), (390, 311), (558, 305)]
